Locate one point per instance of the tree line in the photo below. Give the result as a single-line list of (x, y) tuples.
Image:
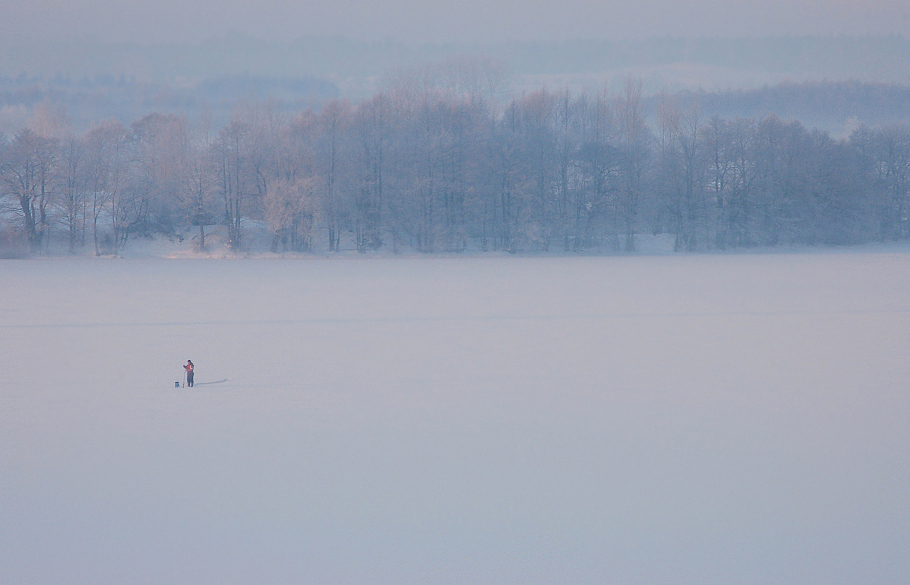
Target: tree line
[(447, 169)]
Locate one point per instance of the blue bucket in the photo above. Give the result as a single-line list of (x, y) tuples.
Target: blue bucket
[(176, 384)]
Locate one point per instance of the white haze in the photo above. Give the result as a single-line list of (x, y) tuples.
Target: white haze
[(700, 419), (446, 21)]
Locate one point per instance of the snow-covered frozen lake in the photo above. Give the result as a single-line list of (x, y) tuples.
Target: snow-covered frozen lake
[(708, 419)]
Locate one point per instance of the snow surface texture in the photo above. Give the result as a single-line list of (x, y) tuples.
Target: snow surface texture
[(697, 419)]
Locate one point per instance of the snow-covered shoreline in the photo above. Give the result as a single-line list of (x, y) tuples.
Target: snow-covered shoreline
[(184, 247)]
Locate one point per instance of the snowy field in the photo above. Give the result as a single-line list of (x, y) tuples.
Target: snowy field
[(713, 419)]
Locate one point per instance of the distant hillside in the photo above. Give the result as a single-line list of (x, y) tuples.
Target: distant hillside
[(707, 63), (836, 107), (89, 100), (829, 83)]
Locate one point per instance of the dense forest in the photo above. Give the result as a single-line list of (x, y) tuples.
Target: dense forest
[(417, 166)]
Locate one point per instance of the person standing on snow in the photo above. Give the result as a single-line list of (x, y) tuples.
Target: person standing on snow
[(189, 373)]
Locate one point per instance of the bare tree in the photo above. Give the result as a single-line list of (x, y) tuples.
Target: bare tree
[(160, 151), (332, 156), (682, 172), (291, 209), (738, 219), (29, 175), (716, 148), (371, 128), (634, 149), (106, 163), (198, 182), (892, 162), (232, 178), (72, 189)]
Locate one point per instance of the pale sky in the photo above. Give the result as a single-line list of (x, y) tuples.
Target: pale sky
[(153, 21)]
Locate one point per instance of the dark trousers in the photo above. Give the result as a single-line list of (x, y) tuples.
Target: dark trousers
[(189, 379)]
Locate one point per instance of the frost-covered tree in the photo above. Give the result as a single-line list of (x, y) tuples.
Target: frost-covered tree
[(30, 177), (106, 164), (634, 148), (291, 210), (437, 160), (332, 152), (73, 190), (232, 176), (371, 133), (891, 158)]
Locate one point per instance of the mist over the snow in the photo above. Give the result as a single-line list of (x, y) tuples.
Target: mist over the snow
[(696, 419)]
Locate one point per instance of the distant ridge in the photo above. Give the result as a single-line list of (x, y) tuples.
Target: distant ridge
[(875, 59)]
